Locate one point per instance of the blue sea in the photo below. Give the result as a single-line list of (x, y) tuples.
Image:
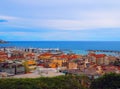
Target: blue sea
[(75, 46)]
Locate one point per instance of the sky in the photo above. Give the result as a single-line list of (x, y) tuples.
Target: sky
[(60, 20)]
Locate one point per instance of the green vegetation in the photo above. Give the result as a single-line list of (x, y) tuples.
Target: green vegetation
[(108, 81), (117, 63), (60, 82)]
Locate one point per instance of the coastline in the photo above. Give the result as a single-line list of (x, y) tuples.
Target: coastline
[(3, 42)]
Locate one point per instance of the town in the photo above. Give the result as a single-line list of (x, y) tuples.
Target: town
[(33, 63)]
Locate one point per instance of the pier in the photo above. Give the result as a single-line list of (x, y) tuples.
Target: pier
[(109, 51)]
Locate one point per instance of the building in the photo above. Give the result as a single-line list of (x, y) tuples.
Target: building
[(30, 65), (72, 65)]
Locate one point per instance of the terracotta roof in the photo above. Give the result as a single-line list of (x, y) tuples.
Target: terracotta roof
[(118, 68), (3, 53), (97, 55), (74, 56), (46, 54), (31, 62), (92, 54), (30, 54), (63, 56), (14, 57), (3, 56), (100, 55)]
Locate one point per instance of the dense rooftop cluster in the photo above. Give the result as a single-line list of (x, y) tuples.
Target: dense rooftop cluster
[(91, 64)]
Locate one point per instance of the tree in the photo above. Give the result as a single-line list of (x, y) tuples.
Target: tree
[(107, 81), (117, 63), (58, 82)]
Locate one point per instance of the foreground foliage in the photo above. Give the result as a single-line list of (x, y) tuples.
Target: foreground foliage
[(61, 82), (108, 81)]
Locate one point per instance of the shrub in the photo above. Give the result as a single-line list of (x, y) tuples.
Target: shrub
[(59, 82), (108, 81)]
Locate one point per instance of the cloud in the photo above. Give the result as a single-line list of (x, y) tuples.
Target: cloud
[(87, 20), (63, 14), (64, 2), (59, 19), (8, 17), (12, 21)]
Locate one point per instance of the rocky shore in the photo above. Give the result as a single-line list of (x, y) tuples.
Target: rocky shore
[(2, 41)]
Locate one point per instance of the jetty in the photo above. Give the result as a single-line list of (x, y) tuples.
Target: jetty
[(109, 51)]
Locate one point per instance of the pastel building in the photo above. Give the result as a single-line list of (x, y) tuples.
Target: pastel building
[(72, 65), (97, 58), (3, 56), (30, 65)]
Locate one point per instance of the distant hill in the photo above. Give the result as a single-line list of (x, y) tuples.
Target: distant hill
[(2, 41)]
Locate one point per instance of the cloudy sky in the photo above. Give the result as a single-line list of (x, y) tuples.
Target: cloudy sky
[(60, 20)]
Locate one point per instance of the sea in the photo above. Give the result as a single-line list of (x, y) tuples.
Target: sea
[(79, 47)]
